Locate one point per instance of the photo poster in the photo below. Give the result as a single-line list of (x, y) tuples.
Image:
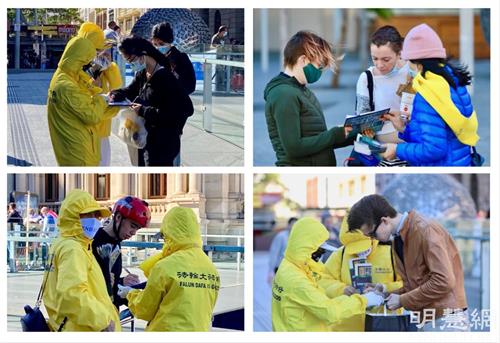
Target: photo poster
[(369, 120), (361, 273)]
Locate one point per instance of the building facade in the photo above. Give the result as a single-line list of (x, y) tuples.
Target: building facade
[(217, 199)]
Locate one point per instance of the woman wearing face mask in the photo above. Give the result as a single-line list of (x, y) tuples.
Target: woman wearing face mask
[(158, 97), (295, 120), (75, 296), (443, 128), (107, 77), (162, 37)]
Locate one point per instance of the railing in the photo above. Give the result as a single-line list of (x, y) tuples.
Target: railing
[(226, 78), (31, 252)]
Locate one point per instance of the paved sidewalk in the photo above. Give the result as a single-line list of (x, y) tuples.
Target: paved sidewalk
[(29, 141), (22, 289), (339, 102)]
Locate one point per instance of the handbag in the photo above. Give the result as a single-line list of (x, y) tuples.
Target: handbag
[(476, 159), (389, 322), (34, 320)]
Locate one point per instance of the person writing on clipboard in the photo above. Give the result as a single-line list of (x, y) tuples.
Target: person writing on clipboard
[(158, 97), (129, 215)]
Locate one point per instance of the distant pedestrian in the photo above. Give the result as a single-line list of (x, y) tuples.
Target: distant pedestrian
[(277, 249)]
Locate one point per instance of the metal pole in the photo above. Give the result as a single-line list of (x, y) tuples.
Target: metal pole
[(207, 97), (467, 41), (238, 255), (363, 39), (17, 29), (228, 75), (264, 40), (27, 255), (283, 30)]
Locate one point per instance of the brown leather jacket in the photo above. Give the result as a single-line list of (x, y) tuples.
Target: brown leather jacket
[(432, 271)]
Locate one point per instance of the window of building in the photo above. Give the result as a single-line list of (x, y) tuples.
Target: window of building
[(351, 186), (51, 187), (157, 185), (101, 186)]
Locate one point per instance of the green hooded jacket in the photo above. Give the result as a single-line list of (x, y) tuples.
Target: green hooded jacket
[(297, 126)]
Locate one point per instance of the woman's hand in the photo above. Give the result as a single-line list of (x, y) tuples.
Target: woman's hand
[(347, 130), (368, 133), (136, 107), (349, 290), (390, 152), (396, 120)]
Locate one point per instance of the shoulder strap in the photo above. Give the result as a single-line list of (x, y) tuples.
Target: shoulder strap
[(44, 282), (342, 261), (369, 78), (393, 269)]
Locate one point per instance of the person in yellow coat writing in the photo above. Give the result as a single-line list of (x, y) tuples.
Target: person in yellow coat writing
[(183, 283)]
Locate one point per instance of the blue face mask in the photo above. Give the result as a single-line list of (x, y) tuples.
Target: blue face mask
[(90, 227), (137, 66), (393, 72), (163, 49)]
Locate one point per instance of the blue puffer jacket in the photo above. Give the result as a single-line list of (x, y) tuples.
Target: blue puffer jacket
[(429, 140)]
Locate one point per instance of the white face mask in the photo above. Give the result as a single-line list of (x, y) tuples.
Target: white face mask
[(90, 226), (364, 254)]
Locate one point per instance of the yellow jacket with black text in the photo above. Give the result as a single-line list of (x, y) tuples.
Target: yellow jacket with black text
[(75, 296), (183, 284), (299, 303)]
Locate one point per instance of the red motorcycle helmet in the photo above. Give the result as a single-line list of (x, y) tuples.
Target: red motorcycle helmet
[(134, 209)]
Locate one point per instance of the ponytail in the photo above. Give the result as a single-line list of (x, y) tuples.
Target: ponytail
[(438, 66)]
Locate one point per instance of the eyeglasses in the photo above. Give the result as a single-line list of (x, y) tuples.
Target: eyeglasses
[(373, 233), (131, 59)]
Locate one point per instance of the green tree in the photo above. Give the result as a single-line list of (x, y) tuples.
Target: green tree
[(46, 15)]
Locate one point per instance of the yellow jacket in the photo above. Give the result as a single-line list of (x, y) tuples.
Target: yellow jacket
[(110, 78), (74, 107), (75, 289), (337, 275), (183, 285), (436, 91), (299, 303)]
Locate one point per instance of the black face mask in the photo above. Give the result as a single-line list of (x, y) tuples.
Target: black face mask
[(316, 256)]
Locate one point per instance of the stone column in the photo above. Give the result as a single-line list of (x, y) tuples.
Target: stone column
[(194, 183), (179, 183), (119, 186)]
